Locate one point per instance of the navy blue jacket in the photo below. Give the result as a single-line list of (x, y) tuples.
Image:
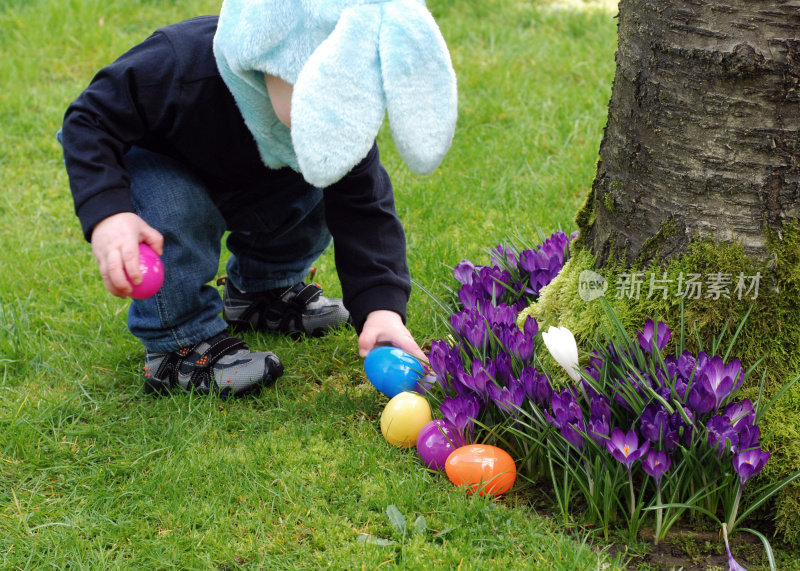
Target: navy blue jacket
[(166, 95)]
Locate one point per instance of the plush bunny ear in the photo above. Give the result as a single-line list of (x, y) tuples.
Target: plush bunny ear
[(252, 36), (419, 83), (249, 43), (338, 103)]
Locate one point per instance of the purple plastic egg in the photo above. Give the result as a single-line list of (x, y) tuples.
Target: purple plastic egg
[(436, 441), (152, 273)]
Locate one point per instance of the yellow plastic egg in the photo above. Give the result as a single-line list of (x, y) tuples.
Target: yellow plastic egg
[(481, 468), (403, 418)]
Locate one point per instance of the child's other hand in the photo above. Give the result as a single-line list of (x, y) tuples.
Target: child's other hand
[(115, 245), (385, 327)]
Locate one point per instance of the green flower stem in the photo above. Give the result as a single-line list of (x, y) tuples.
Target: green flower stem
[(633, 495), (659, 514), (735, 510)]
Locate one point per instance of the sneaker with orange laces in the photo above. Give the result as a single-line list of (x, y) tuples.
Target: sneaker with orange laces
[(222, 365)]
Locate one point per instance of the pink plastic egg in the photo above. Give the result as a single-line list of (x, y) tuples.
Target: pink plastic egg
[(152, 273), (482, 468), (436, 441)]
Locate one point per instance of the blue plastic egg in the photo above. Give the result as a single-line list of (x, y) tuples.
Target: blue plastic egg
[(392, 370)]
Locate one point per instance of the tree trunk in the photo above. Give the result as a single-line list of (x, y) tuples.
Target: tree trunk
[(703, 132)]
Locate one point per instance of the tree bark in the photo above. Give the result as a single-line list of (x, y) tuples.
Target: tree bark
[(703, 132)]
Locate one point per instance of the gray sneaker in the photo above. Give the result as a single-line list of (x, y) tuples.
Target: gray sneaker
[(297, 310), (221, 365)]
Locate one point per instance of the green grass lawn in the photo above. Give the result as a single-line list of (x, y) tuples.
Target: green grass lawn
[(95, 474)]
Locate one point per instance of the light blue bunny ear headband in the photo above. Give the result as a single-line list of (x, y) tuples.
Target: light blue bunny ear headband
[(350, 61)]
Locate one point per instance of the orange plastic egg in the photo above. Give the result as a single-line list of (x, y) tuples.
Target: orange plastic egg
[(483, 468)]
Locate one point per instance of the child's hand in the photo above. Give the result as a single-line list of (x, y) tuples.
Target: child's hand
[(385, 327), (115, 245)]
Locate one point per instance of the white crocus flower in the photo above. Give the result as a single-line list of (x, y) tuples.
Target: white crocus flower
[(561, 343)]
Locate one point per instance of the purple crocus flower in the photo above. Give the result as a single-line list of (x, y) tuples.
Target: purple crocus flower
[(530, 328), (679, 389), (599, 419), (686, 365), (598, 429), (748, 438), (536, 386), (565, 408), (503, 367), (524, 340), (494, 281), (654, 422), (470, 295), (507, 337), (477, 335), (688, 429), (720, 379), (533, 260), (574, 432), (656, 464), (721, 435), (740, 414), (596, 359), (524, 347), (701, 398), (500, 314), (615, 355), (568, 417), (457, 382), (671, 364), (461, 412), (482, 374), (659, 333), (438, 357), (750, 462), (671, 437), (600, 406), (593, 371), (664, 392), (625, 447), (546, 274), (464, 272), (499, 254), (508, 399), (461, 320), (543, 263)]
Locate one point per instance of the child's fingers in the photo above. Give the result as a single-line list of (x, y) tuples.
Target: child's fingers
[(414, 349), (154, 239), (366, 342), (112, 271), (130, 263)]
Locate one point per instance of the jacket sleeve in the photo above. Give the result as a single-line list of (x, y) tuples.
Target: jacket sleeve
[(126, 102), (369, 241)]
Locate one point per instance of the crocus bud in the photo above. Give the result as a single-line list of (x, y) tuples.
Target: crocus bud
[(561, 343)]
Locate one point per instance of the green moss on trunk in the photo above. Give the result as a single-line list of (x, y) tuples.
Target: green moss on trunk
[(772, 331)]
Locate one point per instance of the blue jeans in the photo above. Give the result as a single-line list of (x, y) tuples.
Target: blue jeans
[(277, 229)]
